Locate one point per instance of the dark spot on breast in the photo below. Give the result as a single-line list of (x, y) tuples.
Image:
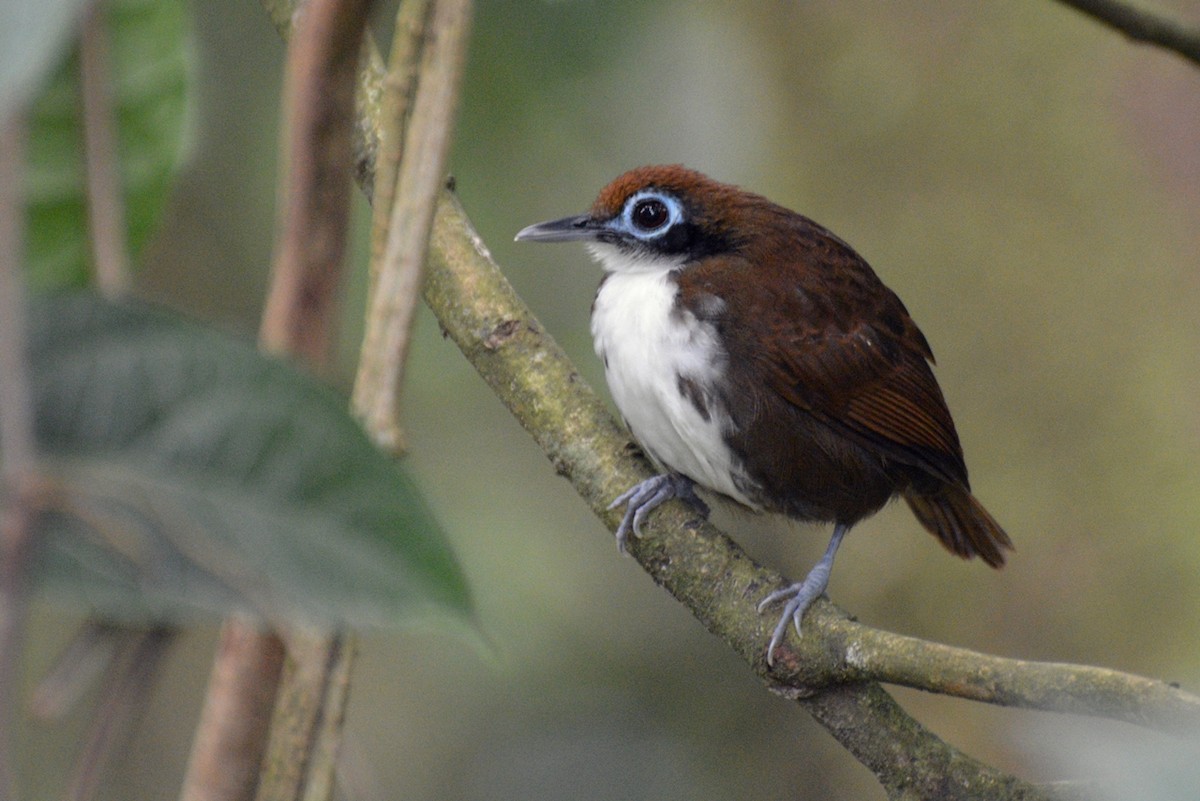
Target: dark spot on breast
[(695, 394), (708, 306)]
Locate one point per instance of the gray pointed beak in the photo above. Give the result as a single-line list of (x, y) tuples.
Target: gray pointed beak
[(568, 229)]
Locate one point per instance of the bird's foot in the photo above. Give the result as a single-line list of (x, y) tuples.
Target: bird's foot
[(643, 498), (800, 596)]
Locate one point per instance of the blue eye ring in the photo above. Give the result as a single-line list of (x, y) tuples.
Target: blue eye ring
[(649, 214)]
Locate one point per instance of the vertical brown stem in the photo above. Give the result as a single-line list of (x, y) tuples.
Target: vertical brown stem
[(399, 87), (298, 320), (105, 201), (16, 403), (315, 188), (396, 289), (309, 712), (124, 694), (17, 449), (230, 738)]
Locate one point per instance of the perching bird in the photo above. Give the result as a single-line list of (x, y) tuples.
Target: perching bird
[(754, 354)]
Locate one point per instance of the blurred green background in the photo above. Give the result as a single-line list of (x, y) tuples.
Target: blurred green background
[(1027, 181)]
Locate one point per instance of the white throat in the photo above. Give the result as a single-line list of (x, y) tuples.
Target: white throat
[(614, 260), (661, 364)]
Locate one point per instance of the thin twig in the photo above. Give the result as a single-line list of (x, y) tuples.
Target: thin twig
[(399, 87), (883, 656), (307, 724), (314, 190), (322, 74), (368, 94), (17, 446), (89, 654), (396, 286), (125, 693), (17, 456), (306, 729), (99, 647), (232, 731), (105, 201), (323, 61), (1142, 26), (399, 90)]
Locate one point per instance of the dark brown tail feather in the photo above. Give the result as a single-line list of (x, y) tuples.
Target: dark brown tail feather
[(962, 524)]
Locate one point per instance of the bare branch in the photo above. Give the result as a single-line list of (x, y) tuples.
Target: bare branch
[(399, 89), (123, 700), (17, 457), (396, 279), (910, 763), (874, 655), (301, 756), (824, 671), (319, 111), (105, 201), (314, 195), (231, 734), (368, 95), (17, 446), (1142, 26)]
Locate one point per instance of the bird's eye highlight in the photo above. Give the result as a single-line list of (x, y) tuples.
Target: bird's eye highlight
[(649, 214)]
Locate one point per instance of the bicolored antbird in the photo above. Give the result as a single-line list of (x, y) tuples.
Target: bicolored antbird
[(755, 355)]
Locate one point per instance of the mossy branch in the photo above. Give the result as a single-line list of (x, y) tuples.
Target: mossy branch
[(832, 671), (691, 559)]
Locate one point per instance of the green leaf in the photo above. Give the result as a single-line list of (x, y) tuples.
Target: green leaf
[(188, 473), (150, 59)]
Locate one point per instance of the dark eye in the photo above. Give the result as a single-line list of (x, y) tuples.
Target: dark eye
[(649, 214)]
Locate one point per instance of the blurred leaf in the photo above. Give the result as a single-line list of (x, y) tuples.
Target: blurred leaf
[(150, 62), (188, 472)]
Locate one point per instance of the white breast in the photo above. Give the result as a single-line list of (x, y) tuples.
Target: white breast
[(648, 350)]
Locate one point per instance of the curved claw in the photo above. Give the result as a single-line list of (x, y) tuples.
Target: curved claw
[(801, 598), (802, 594), (648, 495)]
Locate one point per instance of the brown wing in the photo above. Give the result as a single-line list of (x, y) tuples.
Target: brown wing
[(874, 388), (821, 338), (844, 348)]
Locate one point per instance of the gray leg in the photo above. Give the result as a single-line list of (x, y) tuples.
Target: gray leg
[(801, 595), (643, 498)]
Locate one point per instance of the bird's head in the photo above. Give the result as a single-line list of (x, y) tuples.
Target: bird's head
[(656, 217)]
